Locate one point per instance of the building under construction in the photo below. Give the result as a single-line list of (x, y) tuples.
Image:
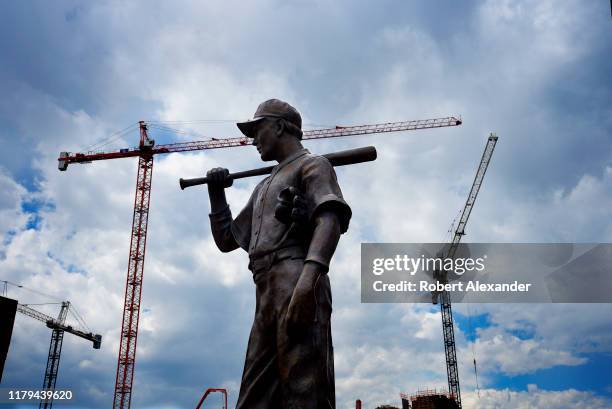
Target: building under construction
[(429, 399)]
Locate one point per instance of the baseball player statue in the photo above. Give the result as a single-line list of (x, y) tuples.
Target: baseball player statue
[(290, 228)]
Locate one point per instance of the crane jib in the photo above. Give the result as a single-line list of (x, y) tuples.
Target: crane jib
[(66, 158)]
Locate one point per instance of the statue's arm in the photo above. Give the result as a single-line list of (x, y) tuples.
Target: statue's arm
[(325, 237), (220, 214), (329, 216), (221, 227)]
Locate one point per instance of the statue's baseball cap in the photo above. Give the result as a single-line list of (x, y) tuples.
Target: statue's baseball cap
[(272, 108)]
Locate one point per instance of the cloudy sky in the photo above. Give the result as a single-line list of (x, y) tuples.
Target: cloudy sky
[(538, 73)]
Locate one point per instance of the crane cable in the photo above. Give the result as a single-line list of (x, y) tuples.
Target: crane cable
[(177, 131), (448, 236), (473, 349), (111, 138), (73, 311), (163, 126), (220, 121), (78, 317), (195, 121), (31, 290)]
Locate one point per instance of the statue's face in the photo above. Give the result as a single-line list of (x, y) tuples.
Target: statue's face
[(266, 139)]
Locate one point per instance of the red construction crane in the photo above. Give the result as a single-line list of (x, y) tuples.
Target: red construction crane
[(211, 390), (145, 152)]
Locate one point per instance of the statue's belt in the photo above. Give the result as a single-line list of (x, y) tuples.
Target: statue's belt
[(263, 263)]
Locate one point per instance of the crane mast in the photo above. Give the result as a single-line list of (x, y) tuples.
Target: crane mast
[(55, 349), (448, 330), (145, 153), (133, 286)]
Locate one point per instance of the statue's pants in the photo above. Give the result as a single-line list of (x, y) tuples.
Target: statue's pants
[(285, 371)]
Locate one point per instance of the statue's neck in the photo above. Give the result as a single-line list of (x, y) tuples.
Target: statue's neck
[(288, 148)]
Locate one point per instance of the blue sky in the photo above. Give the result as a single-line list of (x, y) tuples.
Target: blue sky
[(537, 73)]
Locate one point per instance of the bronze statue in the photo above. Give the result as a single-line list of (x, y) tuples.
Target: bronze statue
[(290, 227)]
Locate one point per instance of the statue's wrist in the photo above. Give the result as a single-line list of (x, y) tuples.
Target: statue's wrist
[(317, 264), (312, 270)]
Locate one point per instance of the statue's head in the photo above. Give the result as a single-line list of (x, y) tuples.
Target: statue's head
[(273, 121)]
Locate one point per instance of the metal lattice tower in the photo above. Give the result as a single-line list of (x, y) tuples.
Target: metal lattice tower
[(450, 352), (53, 359), (448, 329), (133, 286)]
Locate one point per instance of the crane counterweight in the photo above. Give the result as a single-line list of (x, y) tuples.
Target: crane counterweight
[(62, 163)]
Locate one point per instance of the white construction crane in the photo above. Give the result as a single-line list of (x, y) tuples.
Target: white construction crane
[(443, 297)]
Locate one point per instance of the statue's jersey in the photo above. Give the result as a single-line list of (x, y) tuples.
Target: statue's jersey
[(259, 232)]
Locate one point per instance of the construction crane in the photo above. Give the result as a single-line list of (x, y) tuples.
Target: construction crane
[(211, 390), (58, 325), (443, 297), (145, 153)]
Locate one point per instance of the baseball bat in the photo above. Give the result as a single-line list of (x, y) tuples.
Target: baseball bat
[(348, 157)]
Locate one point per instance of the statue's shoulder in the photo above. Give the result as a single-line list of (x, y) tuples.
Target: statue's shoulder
[(311, 159), (317, 167)]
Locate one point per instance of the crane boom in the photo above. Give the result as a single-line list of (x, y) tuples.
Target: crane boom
[(57, 324), (208, 392), (339, 131), (450, 352), (471, 199)]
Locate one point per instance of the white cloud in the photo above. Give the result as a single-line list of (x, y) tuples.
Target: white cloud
[(535, 398), (577, 213), (12, 216), (215, 61), (503, 353)]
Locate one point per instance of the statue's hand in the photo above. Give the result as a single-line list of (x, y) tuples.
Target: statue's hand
[(302, 307), (219, 179), (291, 207)]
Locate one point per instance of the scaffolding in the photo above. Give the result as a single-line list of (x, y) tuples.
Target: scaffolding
[(429, 399)]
